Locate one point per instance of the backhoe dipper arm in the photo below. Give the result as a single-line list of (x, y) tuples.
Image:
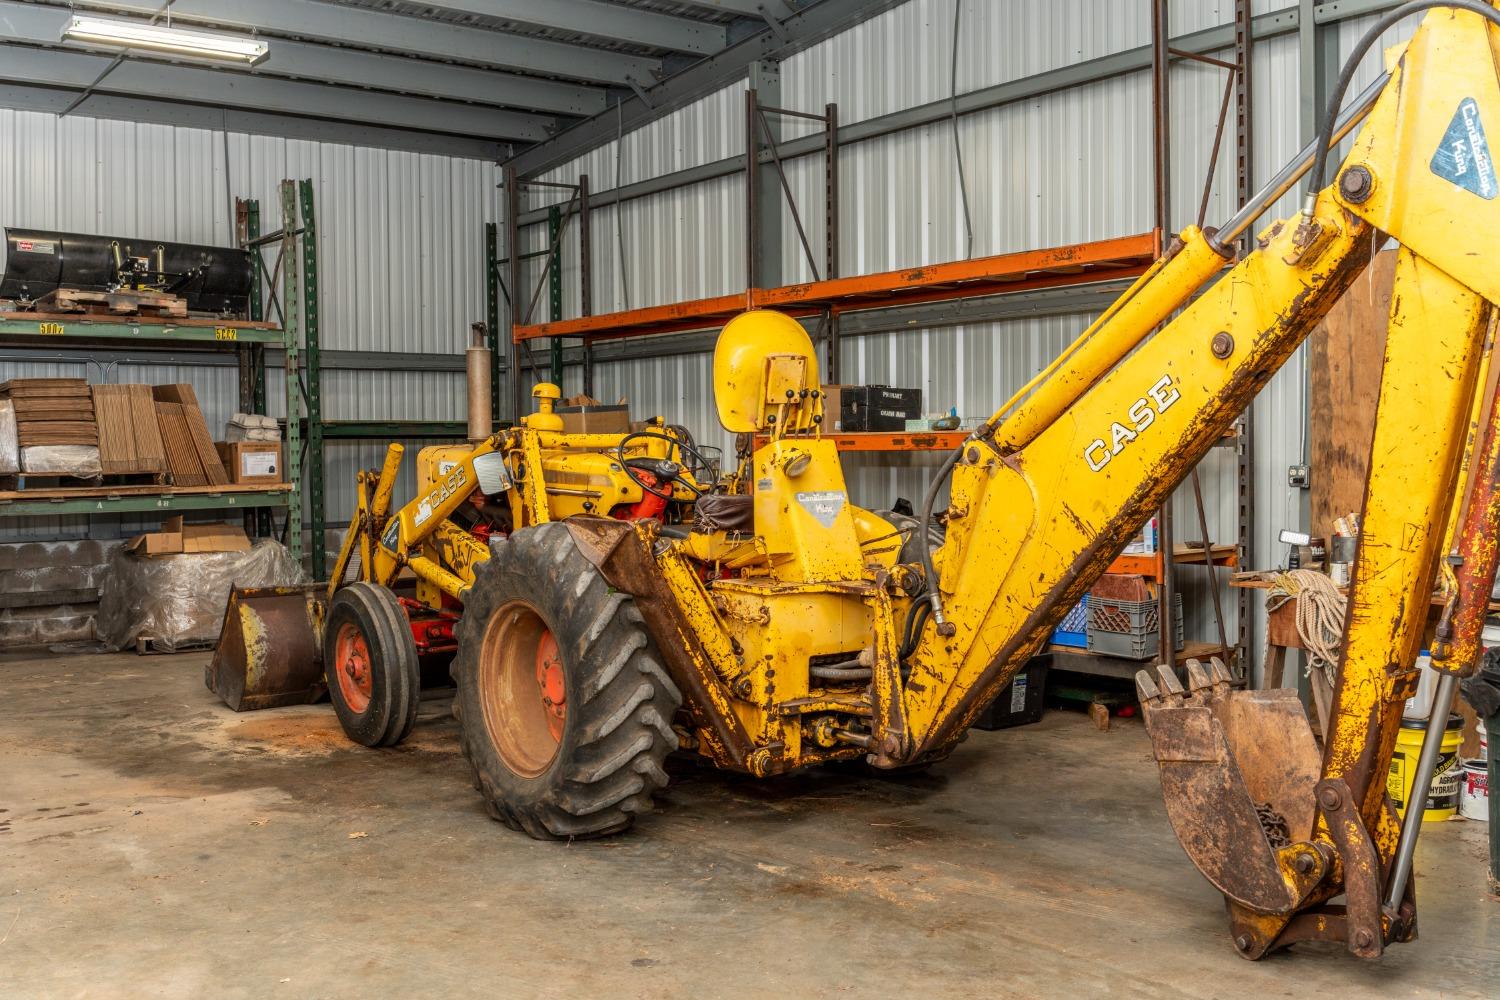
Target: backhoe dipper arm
[(1052, 488)]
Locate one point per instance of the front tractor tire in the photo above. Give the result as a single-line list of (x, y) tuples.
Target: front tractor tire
[(370, 658), (565, 708)]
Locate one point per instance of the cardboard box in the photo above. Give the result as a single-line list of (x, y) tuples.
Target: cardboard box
[(176, 538), (833, 402), (595, 419), (1128, 587), (252, 463), (1145, 541)]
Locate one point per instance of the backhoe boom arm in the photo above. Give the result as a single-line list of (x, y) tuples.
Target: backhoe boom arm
[(1055, 484)]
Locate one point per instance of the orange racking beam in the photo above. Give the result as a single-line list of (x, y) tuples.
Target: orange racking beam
[(1126, 256), (888, 440)]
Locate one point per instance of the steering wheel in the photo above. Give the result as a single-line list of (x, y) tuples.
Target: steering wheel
[(664, 471)]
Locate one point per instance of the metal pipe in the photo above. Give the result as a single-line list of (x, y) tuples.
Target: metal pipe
[(1492, 727), (386, 484), (477, 366), (1118, 332), (840, 673), (436, 575), (1161, 134), (1294, 171), (513, 246), (1208, 563), (1421, 787)]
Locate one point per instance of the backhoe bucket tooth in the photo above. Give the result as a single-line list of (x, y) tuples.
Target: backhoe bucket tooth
[(1238, 774), (270, 650), (1198, 681), (1170, 685), (1222, 679)]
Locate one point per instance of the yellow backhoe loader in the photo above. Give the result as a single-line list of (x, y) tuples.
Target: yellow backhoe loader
[(763, 622)]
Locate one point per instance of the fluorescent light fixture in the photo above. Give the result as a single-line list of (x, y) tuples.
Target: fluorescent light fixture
[(162, 38)]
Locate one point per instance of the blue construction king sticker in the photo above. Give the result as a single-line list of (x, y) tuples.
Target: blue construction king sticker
[(1464, 156)]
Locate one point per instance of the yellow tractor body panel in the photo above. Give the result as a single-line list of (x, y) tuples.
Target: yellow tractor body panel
[(1431, 140), (760, 357), (805, 519)]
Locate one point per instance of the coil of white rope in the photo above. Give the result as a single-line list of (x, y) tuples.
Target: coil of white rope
[(1321, 610)]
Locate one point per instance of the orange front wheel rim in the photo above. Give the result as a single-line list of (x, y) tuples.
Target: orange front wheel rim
[(522, 689), (551, 683), (353, 668)]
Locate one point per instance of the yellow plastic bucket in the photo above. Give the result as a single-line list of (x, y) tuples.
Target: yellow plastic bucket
[(1447, 778)]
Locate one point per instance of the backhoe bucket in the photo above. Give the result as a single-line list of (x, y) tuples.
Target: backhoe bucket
[(1239, 771), (270, 652)]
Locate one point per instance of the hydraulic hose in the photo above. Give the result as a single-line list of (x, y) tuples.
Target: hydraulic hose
[(682, 449), (916, 620), (1346, 75), (931, 598)]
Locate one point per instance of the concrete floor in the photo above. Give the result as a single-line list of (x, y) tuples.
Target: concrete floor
[(153, 844)]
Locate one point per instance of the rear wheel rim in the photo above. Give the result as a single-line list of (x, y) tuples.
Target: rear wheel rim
[(353, 668), (522, 689)]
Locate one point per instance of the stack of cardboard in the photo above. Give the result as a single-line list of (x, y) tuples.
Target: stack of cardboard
[(191, 457), (52, 411), (177, 538), (130, 440)]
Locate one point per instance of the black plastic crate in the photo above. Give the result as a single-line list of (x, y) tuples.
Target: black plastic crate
[(878, 407), (1019, 703)]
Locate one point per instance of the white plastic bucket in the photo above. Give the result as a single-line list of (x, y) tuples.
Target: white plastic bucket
[(1419, 706), (1490, 636), (1474, 792)]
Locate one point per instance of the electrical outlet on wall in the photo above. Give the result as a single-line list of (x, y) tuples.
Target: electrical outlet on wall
[(1298, 476)]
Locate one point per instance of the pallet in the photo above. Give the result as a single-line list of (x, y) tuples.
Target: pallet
[(200, 321), (146, 645), (104, 492), (121, 302), (110, 482)]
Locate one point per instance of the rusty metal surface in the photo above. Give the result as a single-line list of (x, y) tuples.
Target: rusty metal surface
[(270, 650), (888, 727), (1229, 807), (1457, 646), (1361, 864), (621, 553), (1273, 342)]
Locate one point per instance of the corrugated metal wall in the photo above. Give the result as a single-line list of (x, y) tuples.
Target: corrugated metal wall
[(1066, 167), (401, 232), (401, 245)]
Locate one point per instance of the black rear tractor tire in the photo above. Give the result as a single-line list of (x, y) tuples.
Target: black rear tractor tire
[(564, 706), (374, 679)]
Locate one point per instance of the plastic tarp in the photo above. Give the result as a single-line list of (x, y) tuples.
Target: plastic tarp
[(10, 445), (79, 460), (180, 599), (53, 590)]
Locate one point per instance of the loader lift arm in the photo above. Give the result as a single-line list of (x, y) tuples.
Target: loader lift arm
[(1048, 491)]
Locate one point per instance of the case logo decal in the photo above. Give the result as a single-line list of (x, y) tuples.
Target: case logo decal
[(1141, 415)]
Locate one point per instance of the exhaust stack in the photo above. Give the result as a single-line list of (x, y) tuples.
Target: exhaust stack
[(477, 360)]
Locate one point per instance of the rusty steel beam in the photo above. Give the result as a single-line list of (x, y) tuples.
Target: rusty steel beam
[(1024, 271)]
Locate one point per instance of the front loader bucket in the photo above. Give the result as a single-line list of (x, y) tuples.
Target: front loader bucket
[(270, 651), (1239, 771)]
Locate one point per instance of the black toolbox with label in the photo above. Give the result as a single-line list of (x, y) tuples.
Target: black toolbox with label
[(1019, 703), (878, 407)]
